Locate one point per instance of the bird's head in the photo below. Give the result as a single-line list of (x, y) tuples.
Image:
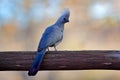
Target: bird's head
[(64, 18), (65, 15)]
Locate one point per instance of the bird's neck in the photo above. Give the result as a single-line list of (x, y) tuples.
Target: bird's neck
[(59, 21), (60, 25)]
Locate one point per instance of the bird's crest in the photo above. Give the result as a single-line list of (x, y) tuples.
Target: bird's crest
[(66, 12), (64, 18)]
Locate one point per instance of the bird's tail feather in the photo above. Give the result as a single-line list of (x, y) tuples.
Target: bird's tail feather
[(37, 62)]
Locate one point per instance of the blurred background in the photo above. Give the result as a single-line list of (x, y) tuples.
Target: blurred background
[(94, 25)]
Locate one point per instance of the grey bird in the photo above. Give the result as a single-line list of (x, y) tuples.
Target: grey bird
[(51, 37)]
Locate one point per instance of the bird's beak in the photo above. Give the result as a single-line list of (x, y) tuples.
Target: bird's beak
[(67, 20)]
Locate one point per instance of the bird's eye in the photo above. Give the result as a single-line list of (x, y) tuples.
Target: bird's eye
[(64, 19)]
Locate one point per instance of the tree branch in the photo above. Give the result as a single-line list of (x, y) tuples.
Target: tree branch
[(61, 60)]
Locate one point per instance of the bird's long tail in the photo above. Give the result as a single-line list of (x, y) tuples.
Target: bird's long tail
[(37, 62)]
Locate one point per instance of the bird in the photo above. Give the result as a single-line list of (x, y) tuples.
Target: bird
[(51, 37)]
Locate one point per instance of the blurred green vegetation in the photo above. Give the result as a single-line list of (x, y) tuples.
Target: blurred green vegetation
[(94, 24)]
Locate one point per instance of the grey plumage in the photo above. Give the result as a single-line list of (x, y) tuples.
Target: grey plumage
[(51, 37)]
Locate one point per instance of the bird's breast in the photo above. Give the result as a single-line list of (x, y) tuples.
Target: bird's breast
[(57, 36)]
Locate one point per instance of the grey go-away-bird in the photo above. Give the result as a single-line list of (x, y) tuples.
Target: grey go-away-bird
[(51, 37)]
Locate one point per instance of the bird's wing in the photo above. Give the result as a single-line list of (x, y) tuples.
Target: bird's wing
[(50, 37)]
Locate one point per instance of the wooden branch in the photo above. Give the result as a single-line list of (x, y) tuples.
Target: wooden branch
[(61, 60)]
